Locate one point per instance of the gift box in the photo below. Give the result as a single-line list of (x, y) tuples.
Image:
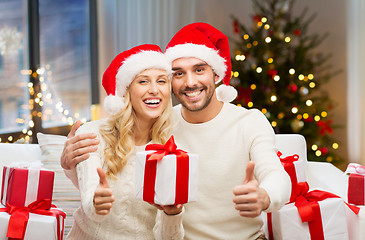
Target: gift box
[(330, 223), (166, 175), (295, 168), (37, 226), (25, 183), (356, 184)]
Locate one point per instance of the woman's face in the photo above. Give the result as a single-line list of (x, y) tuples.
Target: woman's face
[(150, 92)]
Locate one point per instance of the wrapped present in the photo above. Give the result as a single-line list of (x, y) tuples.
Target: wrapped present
[(295, 168), (25, 183), (37, 221), (166, 175), (356, 184), (315, 215)]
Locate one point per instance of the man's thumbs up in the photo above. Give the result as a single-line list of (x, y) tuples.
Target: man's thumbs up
[(103, 197), (249, 172), (249, 198)]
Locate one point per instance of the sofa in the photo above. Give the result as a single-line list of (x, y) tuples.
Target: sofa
[(319, 175)]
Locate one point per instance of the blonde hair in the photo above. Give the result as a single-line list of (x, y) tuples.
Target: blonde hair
[(118, 134)]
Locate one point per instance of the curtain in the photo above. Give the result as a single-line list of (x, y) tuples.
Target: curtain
[(356, 81)]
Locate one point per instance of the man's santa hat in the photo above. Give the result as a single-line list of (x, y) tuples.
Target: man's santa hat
[(201, 40), (125, 67)]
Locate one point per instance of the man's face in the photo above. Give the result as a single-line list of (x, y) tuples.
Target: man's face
[(193, 83)]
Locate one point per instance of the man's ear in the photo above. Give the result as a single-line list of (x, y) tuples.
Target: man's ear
[(216, 78)]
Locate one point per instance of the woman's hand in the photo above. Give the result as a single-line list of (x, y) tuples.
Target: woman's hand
[(170, 209), (103, 197)]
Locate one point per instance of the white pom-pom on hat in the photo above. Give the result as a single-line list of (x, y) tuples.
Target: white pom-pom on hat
[(113, 104), (226, 93), (125, 67)]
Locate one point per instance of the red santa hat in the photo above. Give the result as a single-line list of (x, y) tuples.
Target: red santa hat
[(203, 41), (125, 67)]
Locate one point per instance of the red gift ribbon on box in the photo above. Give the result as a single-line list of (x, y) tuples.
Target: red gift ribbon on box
[(309, 210), (288, 164), (182, 171), (19, 217)]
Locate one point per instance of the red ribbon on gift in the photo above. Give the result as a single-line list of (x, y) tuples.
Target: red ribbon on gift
[(309, 210), (182, 170), (288, 164), (19, 217)]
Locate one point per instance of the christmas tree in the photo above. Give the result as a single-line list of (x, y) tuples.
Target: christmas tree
[(276, 69)]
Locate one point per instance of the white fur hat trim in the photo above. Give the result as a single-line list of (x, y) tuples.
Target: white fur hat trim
[(136, 64), (208, 55)]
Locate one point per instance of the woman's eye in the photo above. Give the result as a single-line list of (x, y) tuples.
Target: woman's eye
[(142, 81)]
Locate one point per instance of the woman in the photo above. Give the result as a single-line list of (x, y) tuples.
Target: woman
[(139, 101)]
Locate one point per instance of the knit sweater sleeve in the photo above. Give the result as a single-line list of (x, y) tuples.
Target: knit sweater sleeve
[(268, 169), (169, 226), (88, 178)]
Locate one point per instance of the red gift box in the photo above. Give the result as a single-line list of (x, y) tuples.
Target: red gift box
[(356, 189), (24, 185), (356, 184)]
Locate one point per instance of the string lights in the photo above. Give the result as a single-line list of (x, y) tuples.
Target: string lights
[(49, 101)]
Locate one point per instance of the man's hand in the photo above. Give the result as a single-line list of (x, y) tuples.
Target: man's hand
[(103, 197), (170, 209), (77, 148), (250, 200)]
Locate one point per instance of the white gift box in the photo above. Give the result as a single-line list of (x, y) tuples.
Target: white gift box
[(287, 224), (165, 183), (38, 227)]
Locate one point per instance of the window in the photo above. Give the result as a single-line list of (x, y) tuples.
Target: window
[(48, 69)]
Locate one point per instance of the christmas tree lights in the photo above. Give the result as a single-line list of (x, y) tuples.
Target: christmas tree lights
[(277, 69)]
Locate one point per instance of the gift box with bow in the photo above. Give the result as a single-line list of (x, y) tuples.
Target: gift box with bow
[(24, 183), (166, 175), (36, 221), (295, 168), (356, 184), (315, 215)]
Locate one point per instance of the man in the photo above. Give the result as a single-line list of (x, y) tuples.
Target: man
[(235, 146)]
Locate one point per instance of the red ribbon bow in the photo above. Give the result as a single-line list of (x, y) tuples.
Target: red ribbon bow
[(182, 170), (20, 215), (309, 211)]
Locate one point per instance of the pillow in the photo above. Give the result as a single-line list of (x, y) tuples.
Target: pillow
[(14, 152), (65, 195)]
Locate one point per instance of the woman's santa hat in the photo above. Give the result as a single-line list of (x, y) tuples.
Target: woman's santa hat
[(125, 67), (201, 40)]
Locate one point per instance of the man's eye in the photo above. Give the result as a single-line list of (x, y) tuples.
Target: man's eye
[(200, 70), (178, 74)]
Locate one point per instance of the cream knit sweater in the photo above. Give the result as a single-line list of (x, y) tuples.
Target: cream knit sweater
[(130, 218), (225, 144)]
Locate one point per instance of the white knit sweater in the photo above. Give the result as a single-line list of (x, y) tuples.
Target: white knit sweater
[(130, 218), (225, 144)]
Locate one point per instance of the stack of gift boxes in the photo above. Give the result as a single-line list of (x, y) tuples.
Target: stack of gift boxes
[(312, 214), (26, 210)]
